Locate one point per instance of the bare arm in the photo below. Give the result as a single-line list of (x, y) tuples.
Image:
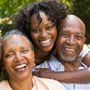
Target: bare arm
[(86, 59), (82, 76)]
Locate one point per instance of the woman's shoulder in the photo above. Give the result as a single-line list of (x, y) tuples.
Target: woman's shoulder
[(50, 83), (4, 85)]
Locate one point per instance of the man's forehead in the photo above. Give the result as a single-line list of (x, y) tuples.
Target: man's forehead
[(71, 20)]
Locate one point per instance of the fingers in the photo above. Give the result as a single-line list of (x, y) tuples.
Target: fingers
[(41, 69)]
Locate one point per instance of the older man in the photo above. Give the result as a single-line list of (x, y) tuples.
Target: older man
[(71, 38)]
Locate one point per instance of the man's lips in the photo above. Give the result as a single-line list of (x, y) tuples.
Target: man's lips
[(70, 49)]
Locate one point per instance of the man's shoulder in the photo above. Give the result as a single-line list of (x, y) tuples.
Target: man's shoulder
[(52, 64)]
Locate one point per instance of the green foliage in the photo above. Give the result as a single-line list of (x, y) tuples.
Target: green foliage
[(88, 45), (0, 33), (67, 2), (9, 7), (82, 10)]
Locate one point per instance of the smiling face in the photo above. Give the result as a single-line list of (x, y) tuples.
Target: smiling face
[(43, 34), (18, 57), (71, 38)]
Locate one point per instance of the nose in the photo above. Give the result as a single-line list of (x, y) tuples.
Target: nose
[(43, 34), (18, 57), (71, 40)]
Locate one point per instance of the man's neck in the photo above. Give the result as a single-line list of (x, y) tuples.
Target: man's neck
[(70, 65)]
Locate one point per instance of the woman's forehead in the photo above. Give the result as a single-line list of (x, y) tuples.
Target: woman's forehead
[(14, 39)]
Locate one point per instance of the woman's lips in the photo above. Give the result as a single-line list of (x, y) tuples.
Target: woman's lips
[(45, 43), (20, 67)]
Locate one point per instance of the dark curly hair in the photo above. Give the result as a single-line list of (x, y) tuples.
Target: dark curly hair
[(55, 11)]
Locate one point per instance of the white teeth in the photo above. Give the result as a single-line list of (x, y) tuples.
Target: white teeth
[(20, 66), (46, 41), (69, 49)]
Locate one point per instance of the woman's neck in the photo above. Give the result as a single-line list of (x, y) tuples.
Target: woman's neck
[(26, 84), (40, 57)]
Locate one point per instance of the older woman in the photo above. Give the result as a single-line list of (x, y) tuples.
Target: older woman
[(18, 60)]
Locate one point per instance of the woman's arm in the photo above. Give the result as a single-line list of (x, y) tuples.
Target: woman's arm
[(86, 59), (81, 76)]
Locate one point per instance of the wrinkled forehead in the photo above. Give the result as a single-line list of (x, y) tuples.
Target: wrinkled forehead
[(71, 21), (14, 39)]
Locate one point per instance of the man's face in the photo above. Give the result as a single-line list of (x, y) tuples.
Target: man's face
[(70, 40)]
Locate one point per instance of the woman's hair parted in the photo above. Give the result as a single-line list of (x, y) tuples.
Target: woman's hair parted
[(55, 11)]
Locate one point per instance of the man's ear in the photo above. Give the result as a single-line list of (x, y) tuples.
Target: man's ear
[(85, 39)]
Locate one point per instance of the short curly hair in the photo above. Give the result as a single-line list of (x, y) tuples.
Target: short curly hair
[(55, 11)]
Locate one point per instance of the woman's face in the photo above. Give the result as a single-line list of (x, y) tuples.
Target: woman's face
[(18, 57), (43, 34)]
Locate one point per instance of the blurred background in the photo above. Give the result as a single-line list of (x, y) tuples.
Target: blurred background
[(81, 8)]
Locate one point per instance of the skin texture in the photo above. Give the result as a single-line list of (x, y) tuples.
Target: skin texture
[(70, 42), (86, 59), (82, 76), (17, 52), (24, 22), (43, 35)]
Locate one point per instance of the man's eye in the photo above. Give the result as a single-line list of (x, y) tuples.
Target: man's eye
[(79, 37)]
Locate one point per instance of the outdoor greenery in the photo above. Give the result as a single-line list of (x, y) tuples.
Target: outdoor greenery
[(81, 8)]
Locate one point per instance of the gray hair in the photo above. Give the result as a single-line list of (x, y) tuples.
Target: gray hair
[(16, 32)]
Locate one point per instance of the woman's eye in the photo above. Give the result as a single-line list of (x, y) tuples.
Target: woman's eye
[(65, 35), (35, 30), (8, 55), (49, 27), (24, 51)]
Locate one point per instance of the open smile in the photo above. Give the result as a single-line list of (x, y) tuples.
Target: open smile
[(21, 67), (45, 43)]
